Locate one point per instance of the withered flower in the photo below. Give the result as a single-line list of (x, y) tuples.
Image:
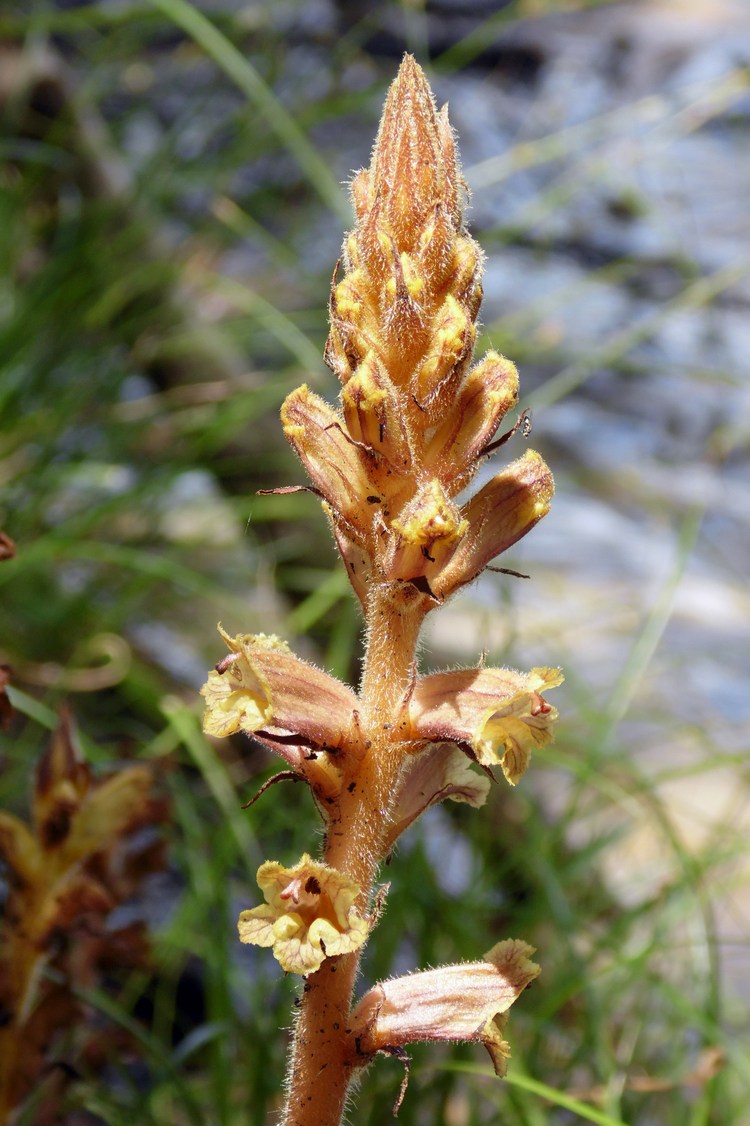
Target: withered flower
[(68, 871)]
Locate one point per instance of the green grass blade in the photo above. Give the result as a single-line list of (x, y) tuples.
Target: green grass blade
[(549, 1094), (245, 76), (184, 722)]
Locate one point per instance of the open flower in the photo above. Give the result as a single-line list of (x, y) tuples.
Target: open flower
[(302, 713), (500, 715), (464, 1003), (309, 915)]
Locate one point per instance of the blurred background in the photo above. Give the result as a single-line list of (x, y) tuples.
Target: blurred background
[(173, 194)]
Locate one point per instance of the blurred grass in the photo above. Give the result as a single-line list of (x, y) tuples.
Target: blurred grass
[(168, 229)]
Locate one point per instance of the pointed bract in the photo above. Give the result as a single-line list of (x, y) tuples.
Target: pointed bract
[(438, 772), (408, 173)]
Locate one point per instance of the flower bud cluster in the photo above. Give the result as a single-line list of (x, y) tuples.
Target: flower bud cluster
[(415, 419)]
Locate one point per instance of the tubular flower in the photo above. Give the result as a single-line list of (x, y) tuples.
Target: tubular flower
[(498, 516), (303, 714), (489, 391), (462, 1003), (335, 463), (309, 915), (416, 418), (499, 715)]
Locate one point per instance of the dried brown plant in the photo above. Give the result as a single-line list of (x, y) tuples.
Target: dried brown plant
[(78, 859)]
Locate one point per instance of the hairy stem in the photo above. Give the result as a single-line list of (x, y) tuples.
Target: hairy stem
[(320, 1066)]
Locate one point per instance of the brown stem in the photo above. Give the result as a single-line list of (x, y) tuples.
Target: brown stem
[(320, 1065)]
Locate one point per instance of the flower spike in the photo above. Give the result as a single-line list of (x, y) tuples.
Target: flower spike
[(392, 464), (416, 419)]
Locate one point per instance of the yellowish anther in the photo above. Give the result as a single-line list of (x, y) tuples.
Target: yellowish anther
[(348, 303), (309, 915), (432, 516)]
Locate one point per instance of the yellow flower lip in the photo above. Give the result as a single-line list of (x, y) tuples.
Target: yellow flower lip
[(262, 685), (309, 915)]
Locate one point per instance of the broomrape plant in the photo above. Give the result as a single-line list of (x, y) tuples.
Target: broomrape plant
[(415, 422)]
